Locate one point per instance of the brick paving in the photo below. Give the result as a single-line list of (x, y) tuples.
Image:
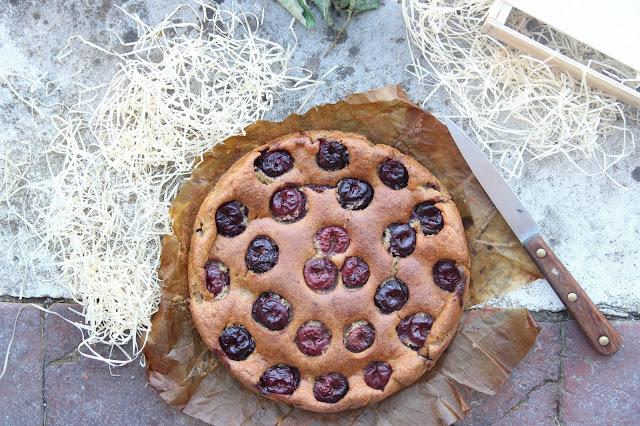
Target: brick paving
[(531, 386), (611, 384), (21, 387), (561, 381), (81, 391)]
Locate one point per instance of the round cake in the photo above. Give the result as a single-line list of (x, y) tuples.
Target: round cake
[(327, 272)]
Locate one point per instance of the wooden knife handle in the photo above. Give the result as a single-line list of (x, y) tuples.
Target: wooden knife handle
[(592, 322)]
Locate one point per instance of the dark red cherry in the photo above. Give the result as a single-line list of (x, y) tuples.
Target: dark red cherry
[(429, 216), (413, 330), (232, 218), (446, 274), (402, 239), (355, 272), (237, 342), (377, 374), (274, 163), (359, 336), (330, 387), (271, 311), (216, 277), (313, 338), (262, 255), (279, 379), (391, 295), (320, 274), (332, 155), (393, 174), (354, 194), (288, 204), (332, 240)]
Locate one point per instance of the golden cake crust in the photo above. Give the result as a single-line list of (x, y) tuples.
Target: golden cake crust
[(340, 307)]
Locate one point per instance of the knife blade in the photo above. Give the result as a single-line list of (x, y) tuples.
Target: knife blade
[(594, 325)]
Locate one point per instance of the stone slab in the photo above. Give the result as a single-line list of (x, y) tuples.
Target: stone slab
[(596, 238), (599, 389), (21, 385), (84, 392), (529, 395), (561, 381), (61, 338), (81, 391)]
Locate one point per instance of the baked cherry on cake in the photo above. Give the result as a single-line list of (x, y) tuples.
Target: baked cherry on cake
[(328, 272)]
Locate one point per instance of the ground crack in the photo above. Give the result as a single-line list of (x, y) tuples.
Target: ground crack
[(70, 357), (561, 386), (526, 398)]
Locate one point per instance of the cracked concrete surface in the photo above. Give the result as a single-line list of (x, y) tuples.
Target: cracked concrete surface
[(592, 225)]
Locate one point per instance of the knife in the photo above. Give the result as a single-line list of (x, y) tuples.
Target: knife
[(591, 321)]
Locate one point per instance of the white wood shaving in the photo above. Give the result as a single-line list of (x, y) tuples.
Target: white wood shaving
[(13, 335), (518, 107), (123, 150)]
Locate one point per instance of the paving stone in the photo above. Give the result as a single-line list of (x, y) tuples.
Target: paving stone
[(601, 389), (529, 395), (21, 386), (82, 391), (597, 390), (61, 338), (539, 408)]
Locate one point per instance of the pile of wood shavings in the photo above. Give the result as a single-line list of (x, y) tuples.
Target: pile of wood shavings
[(519, 108), (123, 150)]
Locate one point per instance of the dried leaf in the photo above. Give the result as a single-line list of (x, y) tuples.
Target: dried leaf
[(490, 342), (489, 345)]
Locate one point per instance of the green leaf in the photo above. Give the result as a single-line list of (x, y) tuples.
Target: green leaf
[(342, 4), (300, 10), (354, 7), (324, 6), (358, 6)]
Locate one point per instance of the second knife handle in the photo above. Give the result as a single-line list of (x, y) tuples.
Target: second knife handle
[(598, 330)]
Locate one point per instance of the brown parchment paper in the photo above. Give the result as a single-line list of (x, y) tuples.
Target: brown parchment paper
[(489, 343)]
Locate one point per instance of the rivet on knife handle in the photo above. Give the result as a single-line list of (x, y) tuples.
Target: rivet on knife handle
[(601, 334)]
